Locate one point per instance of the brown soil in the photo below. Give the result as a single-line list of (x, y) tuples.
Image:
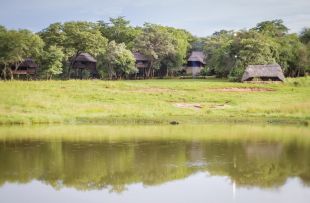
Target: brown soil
[(220, 106)]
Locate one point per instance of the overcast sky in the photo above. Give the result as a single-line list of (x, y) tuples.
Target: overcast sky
[(200, 17)]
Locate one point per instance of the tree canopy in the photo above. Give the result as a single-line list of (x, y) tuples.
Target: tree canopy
[(118, 61), (16, 46), (166, 48)]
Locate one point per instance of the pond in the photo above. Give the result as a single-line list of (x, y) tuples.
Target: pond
[(184, 163)]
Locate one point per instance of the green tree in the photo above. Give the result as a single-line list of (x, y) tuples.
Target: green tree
[(15, 46), (218, 48), (181, 44), (74, 38), (292, 55), (252, 48), (83, 37), (52, 61), (119, 30), (305, 35), (274, 28), (117, 60), (155, 43), (53, 35)]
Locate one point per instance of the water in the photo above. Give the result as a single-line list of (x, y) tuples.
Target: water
[(195, 163)]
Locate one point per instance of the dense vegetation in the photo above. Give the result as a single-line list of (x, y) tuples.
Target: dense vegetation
[(166, 48)]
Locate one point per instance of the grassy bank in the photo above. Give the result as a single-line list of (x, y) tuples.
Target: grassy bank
[(153, 101)]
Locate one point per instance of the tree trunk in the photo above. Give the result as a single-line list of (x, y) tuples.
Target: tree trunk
[(4, 72), (110, 72)]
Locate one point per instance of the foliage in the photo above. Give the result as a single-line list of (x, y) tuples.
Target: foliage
[(181, 43), (305, 35), (75, 37), (167, 48), (229, 53), (252, 48), (52, 61), (118, 60), (119, 30), (293, 56), (15, 46), (83, 37), (53, 35), (218, 49), (156, 43), (273, 28)]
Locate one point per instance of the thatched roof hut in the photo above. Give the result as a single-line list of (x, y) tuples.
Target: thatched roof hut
[(197, 58), (27, 67), (263, 72), (84, 61), (195, 63), (141, 60)]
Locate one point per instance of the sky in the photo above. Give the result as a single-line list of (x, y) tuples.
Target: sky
[(200, 17)]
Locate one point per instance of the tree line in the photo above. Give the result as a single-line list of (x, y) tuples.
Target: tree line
[(113, 42)]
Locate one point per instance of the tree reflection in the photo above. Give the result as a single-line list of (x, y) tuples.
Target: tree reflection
[(113, 165)]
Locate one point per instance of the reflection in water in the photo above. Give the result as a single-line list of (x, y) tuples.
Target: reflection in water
[(92, 158), (91, 165)]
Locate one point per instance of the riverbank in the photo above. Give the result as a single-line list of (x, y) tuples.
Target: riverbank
[(153, 101)]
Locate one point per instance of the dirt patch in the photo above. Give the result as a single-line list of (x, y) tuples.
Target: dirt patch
[(220, 106), (196, 106), (153, 90), (242, 89)]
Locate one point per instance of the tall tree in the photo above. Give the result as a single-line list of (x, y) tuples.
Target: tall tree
[(15, 46), (305, 35), (119, 30), (117, 60), (53, 35), (274, 28), (83, 37), (74, 38), (155, 43), (252, 48), (52, 62), (181, 43), (218, 48)]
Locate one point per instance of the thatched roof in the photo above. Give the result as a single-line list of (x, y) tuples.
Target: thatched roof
[(139, 57), (197, 56), (84, 57), (29, 63), (263, 71)]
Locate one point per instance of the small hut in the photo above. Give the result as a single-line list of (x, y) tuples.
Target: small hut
[(195, 63), (142, 63), (27, 67), (270, 72), (82, 62)]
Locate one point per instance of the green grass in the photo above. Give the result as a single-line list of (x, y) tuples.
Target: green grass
[(151, 101), (125, 133)]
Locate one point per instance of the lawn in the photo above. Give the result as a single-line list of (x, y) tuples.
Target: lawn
[(153, 101)]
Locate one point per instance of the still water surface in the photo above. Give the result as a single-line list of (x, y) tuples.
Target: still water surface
[(191, 163)]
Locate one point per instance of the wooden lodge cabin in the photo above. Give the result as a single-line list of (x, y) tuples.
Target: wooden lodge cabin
[(270, 72), (83, 64), (27, 68), (195, 63), (142, 63)]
